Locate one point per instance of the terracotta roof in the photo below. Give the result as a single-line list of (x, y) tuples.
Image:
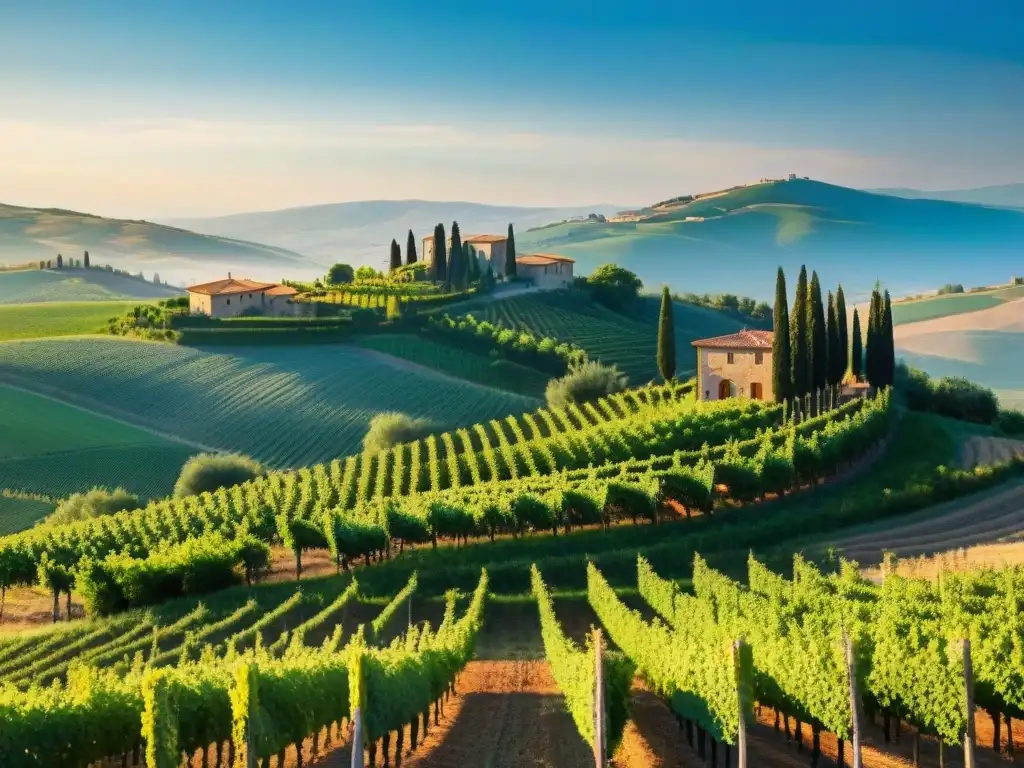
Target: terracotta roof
[(429, 237), (485, 239), (540, 259), (743, 340), (230, 285), (281, 290)]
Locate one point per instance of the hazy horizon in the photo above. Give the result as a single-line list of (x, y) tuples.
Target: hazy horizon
[(201, 109)]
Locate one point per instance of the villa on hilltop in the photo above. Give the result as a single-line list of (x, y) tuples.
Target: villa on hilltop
[(232, 297), (735, 365), (548, 271)]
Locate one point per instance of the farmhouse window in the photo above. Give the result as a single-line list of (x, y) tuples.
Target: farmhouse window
[(229, 301), (758, 358), (730, 358)]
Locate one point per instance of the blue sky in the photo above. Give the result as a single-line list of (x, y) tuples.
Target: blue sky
[(206, 108)]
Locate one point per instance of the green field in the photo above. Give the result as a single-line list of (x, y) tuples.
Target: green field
[(501, 374), (284, 406), (34, 321), (50, 448), (37, 285), (933, 307), (17, 514), (628, 342)]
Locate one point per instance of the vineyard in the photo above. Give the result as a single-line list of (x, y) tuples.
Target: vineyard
[(624, 465), (499, 374), (52, 449), (284, 406), (212, 683), (612, 338)]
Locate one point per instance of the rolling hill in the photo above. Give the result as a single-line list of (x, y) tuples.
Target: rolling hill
[(849, 236), (1003, 195), (29, 286), (30, 235), (985, 346), (360, 232)]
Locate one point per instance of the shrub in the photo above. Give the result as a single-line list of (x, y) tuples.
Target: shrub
[(393, 428), (614, 286), (954, 397), (98, 501), (1011, 422), (585, 383), (210, 471)]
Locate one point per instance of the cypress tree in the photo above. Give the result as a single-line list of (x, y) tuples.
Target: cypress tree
[(60, 261), (666, 337), (782, 381), (510, 253), (472, 263), (410, 249), (817, 336), (440, 257), (871, 353), (798, 342), (887, 343), (86, 259), (836, 356), (856, 348), (396, 255), (844, 337), (457, 261)]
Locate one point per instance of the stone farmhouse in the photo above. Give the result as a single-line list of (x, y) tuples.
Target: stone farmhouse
[(490, 251), (735, 365), (232, 297), (548, 271)]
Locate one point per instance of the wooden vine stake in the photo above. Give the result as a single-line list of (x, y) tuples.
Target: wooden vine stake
[(969, 696), (357, 738), (854, 702), (741, 733), (600, 741)]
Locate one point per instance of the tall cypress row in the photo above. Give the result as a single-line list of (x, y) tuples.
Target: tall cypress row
[(457, 260), (440, 257), (782, 373), (856, 348), (844, 337), (836, 357), (798, 342), (410, 248), (817, 335), (510, 253), (666, 337), (888, 343), (472, 263)]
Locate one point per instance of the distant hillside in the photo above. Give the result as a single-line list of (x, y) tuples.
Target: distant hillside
[(360, 232), (179, 256), (738, 238), (34, 285), (1004, 195)]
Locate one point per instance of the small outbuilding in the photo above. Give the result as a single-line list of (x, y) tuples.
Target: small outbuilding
[(548, 271)]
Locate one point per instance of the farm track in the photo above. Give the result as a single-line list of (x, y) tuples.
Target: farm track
[(977, 451), (980, 519)]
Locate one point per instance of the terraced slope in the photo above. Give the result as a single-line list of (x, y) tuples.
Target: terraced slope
[(284, 406)]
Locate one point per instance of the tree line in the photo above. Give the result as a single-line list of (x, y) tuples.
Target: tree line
[(812, 348)]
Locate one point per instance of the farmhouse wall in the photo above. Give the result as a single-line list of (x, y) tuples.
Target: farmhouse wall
[(713, 367)]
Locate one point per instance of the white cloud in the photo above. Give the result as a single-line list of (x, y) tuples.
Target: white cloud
[(194, 167)]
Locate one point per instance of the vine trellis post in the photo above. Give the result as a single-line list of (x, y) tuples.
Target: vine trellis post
[(600, 742), (741, 731), (969, 696), (854, 702), (357, 738)]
